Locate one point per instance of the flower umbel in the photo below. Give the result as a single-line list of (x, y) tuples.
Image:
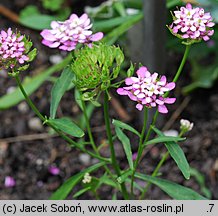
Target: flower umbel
[(67, 34), (148, 90), (192, 23), (14, 49), (87, 178)]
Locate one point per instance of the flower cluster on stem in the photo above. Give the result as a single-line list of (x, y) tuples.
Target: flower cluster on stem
[(192, 23), (67, 34), (148, 90), (12, 49)]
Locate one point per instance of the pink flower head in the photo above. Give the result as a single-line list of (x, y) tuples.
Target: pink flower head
[(66, 35), (192, 23), (9, 181), (12, 48), (148, 90)]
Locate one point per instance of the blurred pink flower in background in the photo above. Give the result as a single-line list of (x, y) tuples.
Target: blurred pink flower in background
[(9, 182), (54, 170)]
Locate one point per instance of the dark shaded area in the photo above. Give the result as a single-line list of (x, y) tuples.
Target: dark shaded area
[(28, 161)]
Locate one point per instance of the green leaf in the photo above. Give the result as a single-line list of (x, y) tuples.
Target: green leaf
[(125, 126), (110, 24), (201, 181), (81, 192), (37, 21), (177, 154), (120, 30), (68, 186), (126, 145), (59, 88), (53, 5), (163, 139), (108, 181), (30, 85), (174, 190), (67, 126), (32, 54), (203, 76), (124, 176)]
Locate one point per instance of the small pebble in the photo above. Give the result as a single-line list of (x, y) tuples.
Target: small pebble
[(39, 161), (11, 89), (216, 165), (23, 107), (35, 124), (173, 133), (3, 73), (55, 59), (85, 159)]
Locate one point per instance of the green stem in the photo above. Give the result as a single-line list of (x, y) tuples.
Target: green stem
[(175, 79), (88, 126), (140, 148), (43, 119), (185, 56), (91, 136), (110, 140), (159, 165), (154, 174)]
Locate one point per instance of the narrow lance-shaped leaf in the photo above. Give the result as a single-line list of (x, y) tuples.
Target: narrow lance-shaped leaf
[(174, 190), (126, 145), (59, 88), (67, 126), (163, 139), (125, 126), (177, 154), (68, 186)]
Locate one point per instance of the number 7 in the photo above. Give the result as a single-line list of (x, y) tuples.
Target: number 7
[(211, 207)]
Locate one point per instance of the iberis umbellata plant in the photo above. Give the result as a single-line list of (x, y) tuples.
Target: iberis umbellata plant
[(93, 70)]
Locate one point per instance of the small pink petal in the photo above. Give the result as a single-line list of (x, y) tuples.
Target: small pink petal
[(9, 182), (162, 109), (96, 37), (169, 100), (170, 85), (139, 107), (121, 91), (141, 72), (54, 170), (47, 35), (129, 81)]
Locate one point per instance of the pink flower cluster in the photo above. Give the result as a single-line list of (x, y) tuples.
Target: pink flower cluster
[(193, 23), (66, 35), (12, 47), (148, 90)]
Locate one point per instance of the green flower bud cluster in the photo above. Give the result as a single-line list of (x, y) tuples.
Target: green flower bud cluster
[(95, 68)]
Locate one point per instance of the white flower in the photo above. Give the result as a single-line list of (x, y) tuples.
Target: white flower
[(186, 125), (87, 178)]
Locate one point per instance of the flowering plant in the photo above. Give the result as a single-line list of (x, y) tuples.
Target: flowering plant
[(93, 70)]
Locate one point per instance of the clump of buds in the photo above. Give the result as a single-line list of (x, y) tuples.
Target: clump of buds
[(186, 125), (95, 68)]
